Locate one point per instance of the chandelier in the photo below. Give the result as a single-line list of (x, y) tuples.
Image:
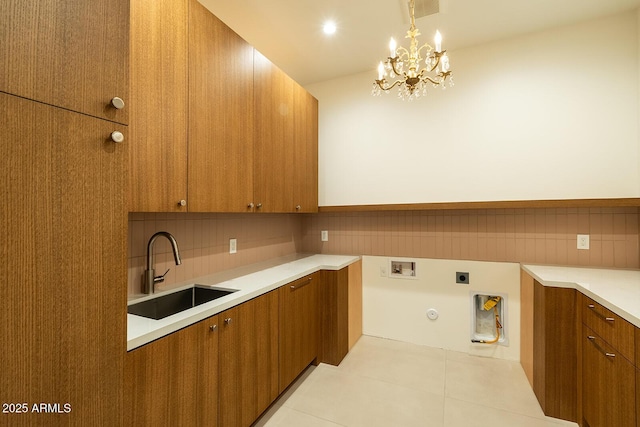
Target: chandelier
[(403, 67)]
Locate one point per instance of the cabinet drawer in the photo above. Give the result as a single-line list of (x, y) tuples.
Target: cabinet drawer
[(608, 384), (612, 328)]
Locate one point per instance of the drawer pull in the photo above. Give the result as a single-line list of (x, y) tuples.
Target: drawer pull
[(294, 287), (591, 306), (609, 319), (228, 321), (610, 354), (213, 327), (591, 337)]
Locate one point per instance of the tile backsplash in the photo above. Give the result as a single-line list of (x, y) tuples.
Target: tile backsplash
[(545, 236), (203, 240)]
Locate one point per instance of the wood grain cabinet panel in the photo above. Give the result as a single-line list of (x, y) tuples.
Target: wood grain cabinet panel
[(158, 119), (555, 355), (221, 116), (299, 327), (608, 384), (618, 333), (173, 381), (305, 151), (274, 134), (334, 316), (63, 220), (248, 360), (71, 54)]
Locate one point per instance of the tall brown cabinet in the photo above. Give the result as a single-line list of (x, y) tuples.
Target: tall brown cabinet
[(63, 281)]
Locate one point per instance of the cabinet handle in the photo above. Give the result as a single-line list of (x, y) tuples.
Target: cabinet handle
[(259, 205), (117, 136), (591, 306), (298, 207), (227, 321), (610, 354), (609, 319), (294, 287), (591, 337), (250, 205), (182, 202), (117, 103), (213, 327)]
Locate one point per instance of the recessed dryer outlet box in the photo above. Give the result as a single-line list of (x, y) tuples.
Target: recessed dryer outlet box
[(462, 277)]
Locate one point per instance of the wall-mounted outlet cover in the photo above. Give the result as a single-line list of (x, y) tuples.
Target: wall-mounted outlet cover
[(583, 241), (233, 246), (462, 277), (324, 235)]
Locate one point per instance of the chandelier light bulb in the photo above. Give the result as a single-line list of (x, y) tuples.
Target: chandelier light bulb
[(392, 48), (438, 40), (380, 71)]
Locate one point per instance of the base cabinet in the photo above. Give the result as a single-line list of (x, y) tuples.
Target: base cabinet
[(299, 327), (555, 357), (608, 384), (248, 360), (173, 381), (334, 316)]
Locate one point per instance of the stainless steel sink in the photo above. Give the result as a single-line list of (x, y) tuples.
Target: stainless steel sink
[(166, 305)]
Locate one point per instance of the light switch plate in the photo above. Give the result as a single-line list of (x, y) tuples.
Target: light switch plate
[(324, 235), (233, 246)]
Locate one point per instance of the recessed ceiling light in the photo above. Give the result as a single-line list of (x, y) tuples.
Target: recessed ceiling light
[(329, 27)]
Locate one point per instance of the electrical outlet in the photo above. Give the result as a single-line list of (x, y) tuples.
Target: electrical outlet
[(383, 272), (324, 235), (233, 246), (583, 241), (462, 277)]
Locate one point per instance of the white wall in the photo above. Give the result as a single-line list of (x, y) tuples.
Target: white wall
[(396, 308), (550, 115)]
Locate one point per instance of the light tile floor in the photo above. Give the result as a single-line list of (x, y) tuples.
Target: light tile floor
[(394, 384)]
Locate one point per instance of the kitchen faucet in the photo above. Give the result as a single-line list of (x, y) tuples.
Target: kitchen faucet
[(150, 278)]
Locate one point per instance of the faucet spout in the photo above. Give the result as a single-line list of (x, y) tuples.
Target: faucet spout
[(150, 278)]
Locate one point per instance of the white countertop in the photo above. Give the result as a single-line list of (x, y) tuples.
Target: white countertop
[(618, 290), (250, 281)]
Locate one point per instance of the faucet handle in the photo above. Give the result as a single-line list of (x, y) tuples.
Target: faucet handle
[(159, 279)]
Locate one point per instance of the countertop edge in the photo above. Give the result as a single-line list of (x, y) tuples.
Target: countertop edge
[(610, 303), (189, 317)]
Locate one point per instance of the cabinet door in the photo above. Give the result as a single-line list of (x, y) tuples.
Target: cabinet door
[(64, 262), (220, 115), (158, 126), (334, 316), (299, 323), (71, 54), (168, 378), (274, 147), (305, 177), (608, 384), (248, 360)]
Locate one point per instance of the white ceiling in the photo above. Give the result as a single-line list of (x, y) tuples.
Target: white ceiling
[(289, 32)]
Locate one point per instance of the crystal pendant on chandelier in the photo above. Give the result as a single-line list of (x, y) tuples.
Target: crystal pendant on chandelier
[(405, 69)]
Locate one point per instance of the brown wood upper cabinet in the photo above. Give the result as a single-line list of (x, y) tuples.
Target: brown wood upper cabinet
[(220, 116), (252, 141), (286, 144), (158, 120), (70, 54)]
